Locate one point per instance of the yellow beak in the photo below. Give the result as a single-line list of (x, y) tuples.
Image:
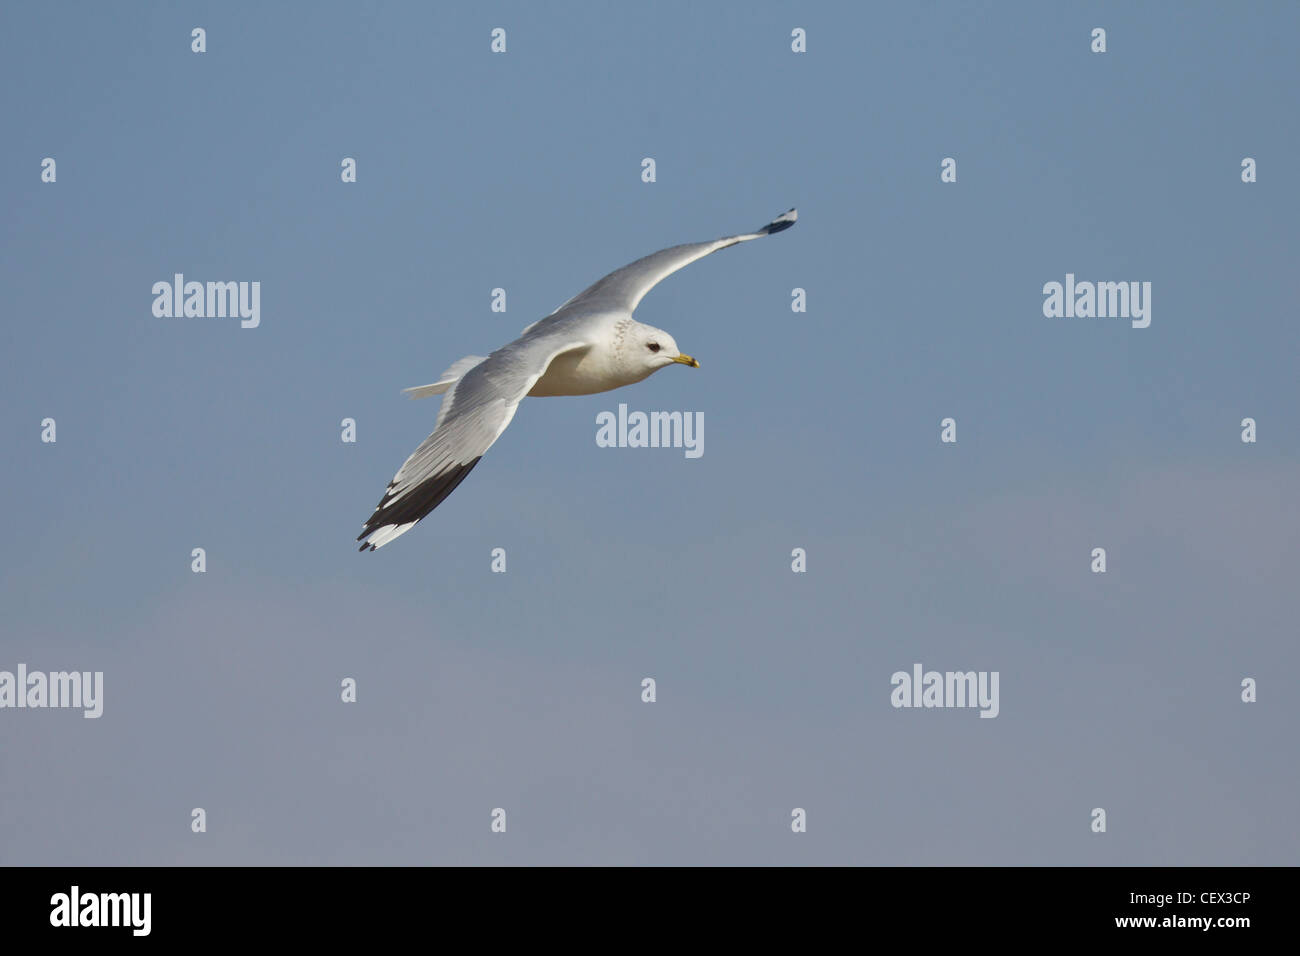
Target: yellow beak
[(686, 360)]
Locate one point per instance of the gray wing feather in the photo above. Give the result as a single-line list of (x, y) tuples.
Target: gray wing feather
[(474, 413), (623, 289)]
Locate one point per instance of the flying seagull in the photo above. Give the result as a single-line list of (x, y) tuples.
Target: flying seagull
[(589, 344)]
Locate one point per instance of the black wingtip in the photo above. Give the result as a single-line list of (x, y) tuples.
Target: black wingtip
[(781, 223), (415, 503)]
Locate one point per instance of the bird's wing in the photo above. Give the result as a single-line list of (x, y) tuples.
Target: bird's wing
[(447, 379), (474, 413), (623, 289)]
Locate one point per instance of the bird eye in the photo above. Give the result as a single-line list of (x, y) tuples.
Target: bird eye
[(653, 346)]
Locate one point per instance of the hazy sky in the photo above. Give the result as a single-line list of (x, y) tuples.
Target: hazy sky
[(522, 690)]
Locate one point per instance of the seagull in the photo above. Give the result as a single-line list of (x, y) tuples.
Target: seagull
[(589, 344)]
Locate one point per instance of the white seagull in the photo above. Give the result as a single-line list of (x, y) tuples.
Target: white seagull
[(589, 344)]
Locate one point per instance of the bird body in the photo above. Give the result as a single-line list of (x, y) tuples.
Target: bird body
[(589, 344)]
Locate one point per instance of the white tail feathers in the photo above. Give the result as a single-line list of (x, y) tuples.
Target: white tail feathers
[(447, 379), (424, 391)]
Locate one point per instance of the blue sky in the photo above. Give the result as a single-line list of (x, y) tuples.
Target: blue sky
[(522, 690)]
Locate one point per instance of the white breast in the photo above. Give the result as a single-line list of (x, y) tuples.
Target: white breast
[(584, 373)]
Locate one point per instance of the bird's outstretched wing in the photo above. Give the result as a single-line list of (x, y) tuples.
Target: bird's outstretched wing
[(474, 413), (623, 289)]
